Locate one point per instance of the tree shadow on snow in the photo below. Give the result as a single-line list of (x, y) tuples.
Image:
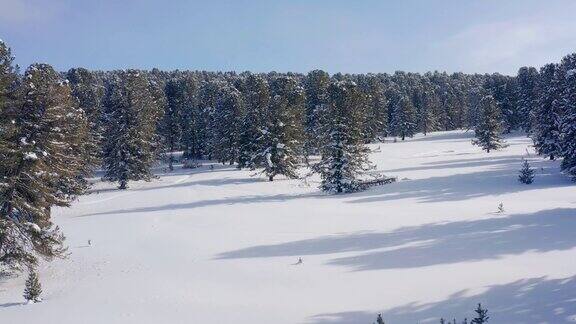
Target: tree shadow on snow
[(280, 198), (434, 244), (6, 305), (527, 301), (501, 178)]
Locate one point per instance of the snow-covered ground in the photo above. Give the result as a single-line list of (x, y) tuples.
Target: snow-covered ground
[(219, 246)]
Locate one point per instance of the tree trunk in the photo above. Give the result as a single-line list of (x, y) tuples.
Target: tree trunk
[(271, 178), (123, 185)]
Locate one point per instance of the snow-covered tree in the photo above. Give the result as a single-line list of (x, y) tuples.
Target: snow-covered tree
[(527, 96), (376, 124), (256, 99), (488, 131), (43, 160), (33, 288), (404, 123), (481, 315), (344, 157), (281, 139), (546, 115), (567, 122), (316, 84), (131, 119), (170, 125), (504, 92), (89, 91), (228, 120), (526, 175), (206, 128), (427, 119), (185, 95)]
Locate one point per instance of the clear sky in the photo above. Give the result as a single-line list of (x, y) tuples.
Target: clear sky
[(354, 36)]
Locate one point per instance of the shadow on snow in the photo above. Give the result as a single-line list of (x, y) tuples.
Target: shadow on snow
[(527, 301), (434, 244)]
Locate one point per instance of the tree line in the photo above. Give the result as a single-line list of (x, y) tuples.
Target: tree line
[(57, 127)]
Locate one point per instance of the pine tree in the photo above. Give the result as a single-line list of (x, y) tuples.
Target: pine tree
[(43, 162), (186, 96), (89, 91), (316, 85), (281, 139), (376, 125), (379, 319), (567, 121), (256, 100), (206, 128), (527, 96), (170, 126), (428, 121), (526, 175), (481, 315), (131, 119), (546, 115), (404, 118), (33, 288), (504, 92), (344, 155), (489, 129), (228, 118)]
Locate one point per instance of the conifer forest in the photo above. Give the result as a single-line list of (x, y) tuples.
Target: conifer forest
[(189, 196)]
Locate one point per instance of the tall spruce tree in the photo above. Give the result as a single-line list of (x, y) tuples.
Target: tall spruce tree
[(205, 127), (567, 122), (404, 119), (316, 85), (171, 126), (489, 129), (131, 118), (89, 91), (228, 118), (546, 115), (282, 136), (186, 95), (256, 99), (344, 157), (376, 125), (42, 163), (527, 96), (427, 119)]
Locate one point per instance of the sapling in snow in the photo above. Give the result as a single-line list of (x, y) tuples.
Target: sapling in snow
[(526, 175), (33, 289), (481, 315)]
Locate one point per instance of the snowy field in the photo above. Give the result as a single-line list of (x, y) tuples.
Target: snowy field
[(219, 246)]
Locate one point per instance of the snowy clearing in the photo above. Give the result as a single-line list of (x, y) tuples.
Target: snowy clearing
[(219, 246)]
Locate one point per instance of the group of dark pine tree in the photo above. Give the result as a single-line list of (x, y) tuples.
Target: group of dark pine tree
[(481, 317), (56, 128)]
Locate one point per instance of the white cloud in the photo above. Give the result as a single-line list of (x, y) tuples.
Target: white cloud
[(487, 47), (20, 11)]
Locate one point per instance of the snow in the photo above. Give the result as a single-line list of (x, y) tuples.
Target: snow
[(218, 246), (30, 156), (34, 227)]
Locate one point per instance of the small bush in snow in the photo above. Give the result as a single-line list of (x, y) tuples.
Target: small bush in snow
[(526, 175), (33, 288)]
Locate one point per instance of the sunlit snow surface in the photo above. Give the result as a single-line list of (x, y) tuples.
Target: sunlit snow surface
[(220, 246)]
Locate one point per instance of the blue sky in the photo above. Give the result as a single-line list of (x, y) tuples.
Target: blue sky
[(354, 36)]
